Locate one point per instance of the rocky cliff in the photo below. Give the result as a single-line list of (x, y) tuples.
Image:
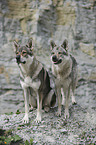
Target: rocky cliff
[(45, 20)]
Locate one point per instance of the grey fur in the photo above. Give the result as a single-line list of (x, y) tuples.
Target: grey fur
[(34, 80), (64, 69)]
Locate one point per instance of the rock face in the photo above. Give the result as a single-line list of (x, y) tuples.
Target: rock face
[(45, 20)]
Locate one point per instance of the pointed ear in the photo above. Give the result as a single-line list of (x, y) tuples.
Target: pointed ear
[(30, 44), (16, 45), (52, 43), (65, 44)]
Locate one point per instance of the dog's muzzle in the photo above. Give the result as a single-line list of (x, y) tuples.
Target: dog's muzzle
[(56, 60), (18, 59)]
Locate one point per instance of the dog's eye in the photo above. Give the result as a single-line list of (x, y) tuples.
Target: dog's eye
[(23, 52), (17, 53), (59, 52)]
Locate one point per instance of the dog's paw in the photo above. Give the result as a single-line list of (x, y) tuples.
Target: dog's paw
[(58, 113), (66, 113), (73, 100), (38, 118), (46, 109), (25, 119), (74, 103)]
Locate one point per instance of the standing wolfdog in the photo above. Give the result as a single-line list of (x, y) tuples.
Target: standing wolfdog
[(64, 68), (35, 81)]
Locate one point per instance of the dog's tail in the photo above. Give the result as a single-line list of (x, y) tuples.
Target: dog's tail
[(50, 100)]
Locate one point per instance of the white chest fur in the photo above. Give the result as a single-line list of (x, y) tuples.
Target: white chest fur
[(25, 67), (62, 70), (28, 82)]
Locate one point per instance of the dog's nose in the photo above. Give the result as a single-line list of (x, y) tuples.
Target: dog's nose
[(18, 58), (54, 58)]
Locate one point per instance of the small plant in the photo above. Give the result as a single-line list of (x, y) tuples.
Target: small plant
[(6, 137), (18, 112), (29, 143), (10, 113)]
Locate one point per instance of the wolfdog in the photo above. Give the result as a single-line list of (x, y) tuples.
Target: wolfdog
[(35, 81), (64, 69)]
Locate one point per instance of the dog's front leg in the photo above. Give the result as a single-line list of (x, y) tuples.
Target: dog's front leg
[(63, 97), (73, 98), (39, 107), (58, 89), (67, 95), (26, 98)]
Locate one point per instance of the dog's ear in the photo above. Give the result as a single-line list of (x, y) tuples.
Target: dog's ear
[(30, 44), (52, 43), (65, 44), (16, 45)]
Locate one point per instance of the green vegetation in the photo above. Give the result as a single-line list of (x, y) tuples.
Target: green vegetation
[(7, 138)]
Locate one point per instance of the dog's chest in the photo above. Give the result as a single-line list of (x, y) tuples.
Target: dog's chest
[(26, 67), (24, 70), (62, 76), (28, 82), (29, 74), (58, 71), (62, 73)]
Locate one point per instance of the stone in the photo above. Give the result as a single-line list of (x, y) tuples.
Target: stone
[(92, 75), (87, 48), (64, 131)]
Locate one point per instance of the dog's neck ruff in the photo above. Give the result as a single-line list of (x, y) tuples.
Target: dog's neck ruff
[(32, 70), (62, 70)]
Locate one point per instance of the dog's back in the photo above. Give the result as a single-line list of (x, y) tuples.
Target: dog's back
[(74, 73)]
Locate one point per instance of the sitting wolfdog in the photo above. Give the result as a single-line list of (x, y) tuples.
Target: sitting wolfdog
[(35, 81), (64, 68)]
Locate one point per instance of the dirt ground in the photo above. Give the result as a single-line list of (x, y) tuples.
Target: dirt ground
[(80, 128)]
